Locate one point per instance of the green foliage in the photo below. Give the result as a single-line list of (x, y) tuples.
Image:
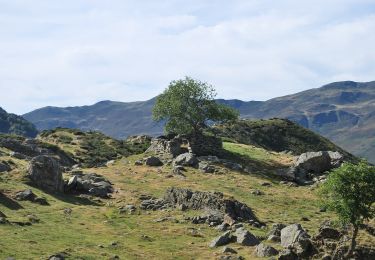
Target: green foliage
[(350, 192), (188, 105)]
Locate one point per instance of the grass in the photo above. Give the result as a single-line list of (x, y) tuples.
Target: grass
[(138, 236)]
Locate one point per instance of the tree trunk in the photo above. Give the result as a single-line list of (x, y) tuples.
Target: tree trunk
[(353, 242)]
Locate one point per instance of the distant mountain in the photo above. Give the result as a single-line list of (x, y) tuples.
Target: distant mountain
[(13, 124), (344, 112)]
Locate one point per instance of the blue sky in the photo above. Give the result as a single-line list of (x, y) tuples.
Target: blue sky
[(78, 52)]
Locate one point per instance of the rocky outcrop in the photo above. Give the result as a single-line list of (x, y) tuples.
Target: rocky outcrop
[(292, 234), (90, 183), (44, 171), (310, 165), (28, 148), (167, 147), (210, 200)]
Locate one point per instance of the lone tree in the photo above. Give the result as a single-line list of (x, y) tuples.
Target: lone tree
[(350, 192), (188, 106)]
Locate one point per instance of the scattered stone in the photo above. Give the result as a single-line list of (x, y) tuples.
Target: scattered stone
[(153, 204), (245, 238), (32, 218), (222, 240), (305, 219), (230, 257), (222, 227), (263, 250), (138, 162), (257, 192), (109, 163), (228, 250), (326, 232), (18, 155), (45, 173), (266, 184), (229, 220), (153, 161)]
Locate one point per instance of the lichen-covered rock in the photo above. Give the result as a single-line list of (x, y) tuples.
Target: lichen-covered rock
[(90, 183), (186, 159), (153, 161), (44, 171)]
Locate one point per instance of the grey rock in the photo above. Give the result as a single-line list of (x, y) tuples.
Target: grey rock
[(263, 250), (245, 238), (44, 171), (138, 162), (292, 234), (274, 238), (18, 155), (153, 161), (186, 159), (222, 240), (222, 227), (25, 195)]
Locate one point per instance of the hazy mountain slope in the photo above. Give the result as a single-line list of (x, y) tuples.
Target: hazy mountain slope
[(343, 112), (13, 124)]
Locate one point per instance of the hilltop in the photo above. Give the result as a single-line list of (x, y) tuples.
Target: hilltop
[(137, 216), (343, 112), (13, 124)]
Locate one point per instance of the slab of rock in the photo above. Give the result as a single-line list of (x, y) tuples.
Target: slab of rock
[(153, 161), (206, 167), (263, 250), (44, 171), (25, 195), (222, 240), (292, 234), (245, 238)]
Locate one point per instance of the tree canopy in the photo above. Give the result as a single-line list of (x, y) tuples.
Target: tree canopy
[(350, 192), (188, 106)]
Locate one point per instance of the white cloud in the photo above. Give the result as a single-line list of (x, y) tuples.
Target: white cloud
[(79, 52)]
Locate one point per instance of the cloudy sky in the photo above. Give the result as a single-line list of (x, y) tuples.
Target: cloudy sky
[(78, 52)]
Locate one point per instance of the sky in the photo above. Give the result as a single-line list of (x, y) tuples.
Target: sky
[(79, 52)]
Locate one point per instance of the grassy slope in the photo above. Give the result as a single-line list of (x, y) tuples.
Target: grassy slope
[(99, 223)]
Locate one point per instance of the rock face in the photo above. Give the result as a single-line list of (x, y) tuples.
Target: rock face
[(292, 234), (167, 147), (311, 164), (263, 250), (208, 200), (44, 171), (90, 183)]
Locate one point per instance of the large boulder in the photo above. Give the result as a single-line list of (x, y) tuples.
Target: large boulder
[(91, 183), (186, 159), (214, 201), (44, 171), (153, 161), (312, 164), (292, 234)]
